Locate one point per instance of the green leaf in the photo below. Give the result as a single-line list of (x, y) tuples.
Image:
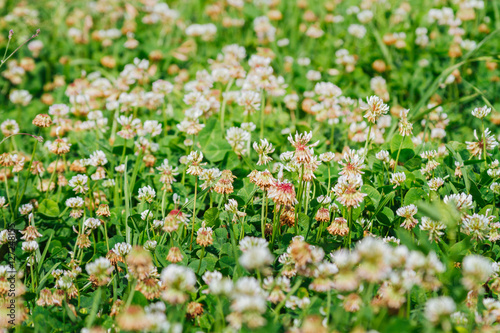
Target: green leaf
[(303, 220), (372, 193), (471, 162), (49, 208), (386, 216), (220, 238), (478, 197), (415, 195), (397, 140), (386, 199), (459, 250), (216, 150), (211, 215)]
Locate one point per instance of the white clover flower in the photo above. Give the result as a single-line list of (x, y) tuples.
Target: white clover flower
[(79, 183), (476, 270), (98, 158), (91, 223), (383, 156), (122, 249), (146, 215), (29, 246), (435, 183), (26, 209), (398, 178), (147, 193), (75, 202), (150, 245), (439, 308), (264, 148), (481, 112), (99, 266)]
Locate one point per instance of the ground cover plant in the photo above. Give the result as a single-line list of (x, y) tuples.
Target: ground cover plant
[(236, 165)]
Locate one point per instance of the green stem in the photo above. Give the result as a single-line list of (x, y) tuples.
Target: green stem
[(368, 139), (484, 145), (223, 106), (350, 226), (7, 192), (201, 259), (399, 152), (263, 217), (262, 107), (18, 201), (51, 178), (194, 213)]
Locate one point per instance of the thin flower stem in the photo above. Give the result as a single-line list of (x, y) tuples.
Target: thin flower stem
[(4, 219), (299, 200), (18, 201), (350, 226), (4, 60), (262, 110), (263, 217), (7, 192), (201, 259), (399, 151), (51, 178), (329, 176), (484, 145), (106, 235), (223, 106), (194, 213), (365, 151)]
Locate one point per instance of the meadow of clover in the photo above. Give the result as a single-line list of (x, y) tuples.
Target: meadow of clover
[(302, 166)]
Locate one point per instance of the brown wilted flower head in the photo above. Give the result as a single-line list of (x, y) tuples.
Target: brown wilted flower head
[(116, 308), (77, 167), (287, 217), (313, 324), (225, 183), (99, 271), (103, 210), (7, 160), (347, 191), (5, 174), (58, 296), (283, 193), (133, 318), (174, 255), (59, 147), (45, 298), (83, 241), (338, 227), (263, 179), (61, 180), (149, 287), (322, 215), (204, 236), (300, 251), (194, 309), (149, 160), (114, 258), (42, 120), (30, 233), (37, 168), (352, 303), (60, 167), (139, 262)]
